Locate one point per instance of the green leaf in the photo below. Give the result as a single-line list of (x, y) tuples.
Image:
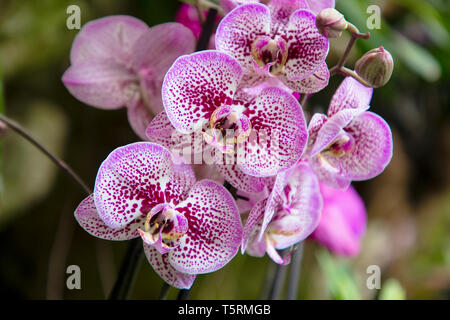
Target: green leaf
[(338, 276), (392, 290)]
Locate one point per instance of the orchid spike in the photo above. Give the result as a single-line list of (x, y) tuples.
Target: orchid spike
[(200, 94), (118, 61), (351, 143), (187, 228), (279, 40), (288, 216), (343, 221)]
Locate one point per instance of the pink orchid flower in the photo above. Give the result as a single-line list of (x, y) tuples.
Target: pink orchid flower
[(187, 227), (161, 131), (314, 5), (119, 61), (289, 215), (279, 40), (351, 143), (200, 94), (343, 221)]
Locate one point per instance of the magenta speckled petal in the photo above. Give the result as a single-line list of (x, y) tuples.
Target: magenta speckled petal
[(333, 127), (229, 5), (311, 84), (318, 5), (239, 179), (372, 150), (281, 10), (139, 116), (350, 95), (102, 84), (215, 230), (250, 242), (273, 200), (87, 216), (110, 38), (196, 85), (307, 47), (161, 131), (136, 177), (277, 118), (238, 30), (328, 174), (168, 273), (305, 209)]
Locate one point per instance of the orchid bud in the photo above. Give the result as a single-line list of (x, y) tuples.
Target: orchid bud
[(331, 23), (375, 67)]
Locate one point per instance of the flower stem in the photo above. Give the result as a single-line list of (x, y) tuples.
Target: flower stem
[(339, 68), (128, 271), (164, 291), (207, 30), (183, 294), (277, 282), (294, 276), (22, 132)]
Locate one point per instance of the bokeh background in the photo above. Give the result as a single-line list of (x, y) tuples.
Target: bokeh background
[(408, 206)]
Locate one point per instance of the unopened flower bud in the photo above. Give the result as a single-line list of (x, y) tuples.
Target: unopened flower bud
[(375, 67), (331, 23)]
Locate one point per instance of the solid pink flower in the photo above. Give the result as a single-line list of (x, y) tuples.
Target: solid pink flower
[(118, 61), (187, 227), (343, 221)]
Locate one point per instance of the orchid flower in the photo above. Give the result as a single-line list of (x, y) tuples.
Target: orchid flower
[(351, 143), (187, 227), (314, 5), (286, 217), (200, 94), (279, 40), (343, 221), (118, 61)]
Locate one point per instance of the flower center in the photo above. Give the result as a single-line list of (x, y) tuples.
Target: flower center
[(269, 55), (163, 226), (341, 146), (228, 126)]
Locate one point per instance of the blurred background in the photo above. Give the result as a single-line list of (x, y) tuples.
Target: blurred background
[(408, 232)]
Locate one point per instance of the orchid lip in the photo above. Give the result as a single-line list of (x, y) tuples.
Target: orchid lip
[(228, 126), (163, 227), (270, 54), (341, 146)]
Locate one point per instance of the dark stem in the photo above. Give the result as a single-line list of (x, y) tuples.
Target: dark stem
[(22, 132), (294, 276), (207, 30), (303, 100), (164, 291), (231, 189), (183, 294), (277, 282), (128, 271)]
